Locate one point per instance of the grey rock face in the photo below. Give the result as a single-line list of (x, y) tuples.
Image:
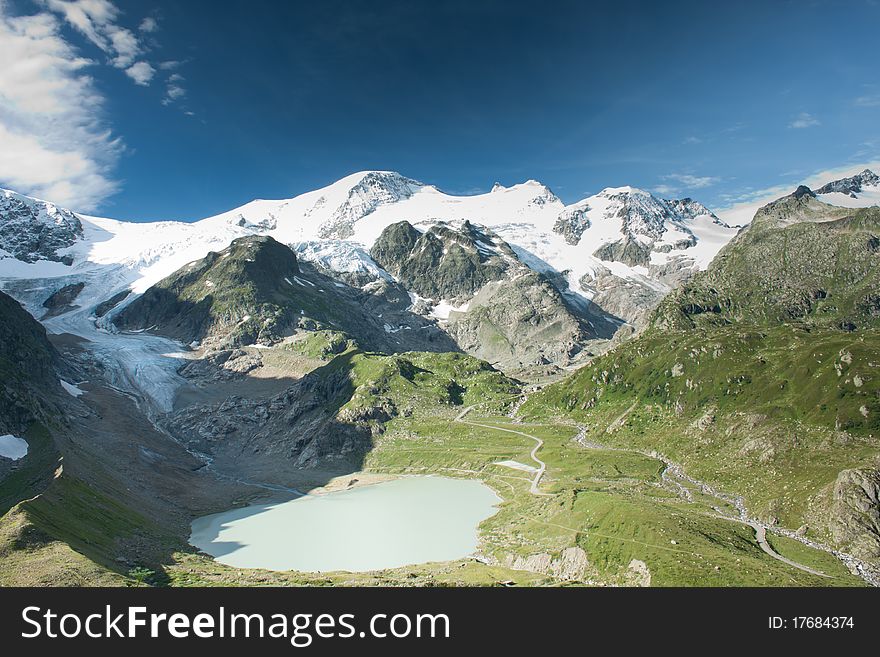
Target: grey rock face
[(256, 291), (572, 223), (27, 363), (296, 428), (515, 317), (627, 250), (852, 185), (109, 304), (444, 262), (855, 512), (33, 230), (628, 299), (62, 300), (520, 322), (375, 189)]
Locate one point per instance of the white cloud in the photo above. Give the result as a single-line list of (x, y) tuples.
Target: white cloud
[(53, 142), (685, 181), (141, 73), (804, 120), (174, 90), (693, 182), (665, 190), (97, 21), (125, 45), (149, 25), (867, 101), (87, 16), (743, 208)]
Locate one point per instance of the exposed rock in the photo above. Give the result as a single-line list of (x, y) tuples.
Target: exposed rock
[(572, 223), (33, 230), (222, 365), (520, 322), (628, 299), (256, 292), (855, 512), (62, 300), (106, 306), (627, 250), (637, 573), (852, 185), (27, 367), (571, 564), (445, 262)]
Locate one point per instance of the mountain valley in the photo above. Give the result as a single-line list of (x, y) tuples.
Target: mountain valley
[(705, 398)]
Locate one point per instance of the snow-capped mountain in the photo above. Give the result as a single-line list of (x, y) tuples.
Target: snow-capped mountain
[(622, 246), (336, 225), (860, 190), (32, 230)]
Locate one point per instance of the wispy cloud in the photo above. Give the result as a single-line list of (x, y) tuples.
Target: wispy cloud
[(97, 21), (53, 142), (693, 182), (870, 100), (676, 182), (174, 90), (665, 190), (804, 120), (149, 25)]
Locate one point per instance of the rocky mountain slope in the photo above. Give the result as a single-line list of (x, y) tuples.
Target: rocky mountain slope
[(492, 304), (28, 364), (623, 247), (255, 292), (289, 342), (801, 260), (760, 374)]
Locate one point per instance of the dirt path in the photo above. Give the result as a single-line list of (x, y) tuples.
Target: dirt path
[(533, 489)]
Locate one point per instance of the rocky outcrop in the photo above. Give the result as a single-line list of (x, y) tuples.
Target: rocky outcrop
[(852, 185), (32, 230), (570, 564), (509, 314), (629, 299), (375, 189), (445, 261), (520, 322), (109, 304), (572, 222), (62, 301), (627, 250), (855, 512), (27, 367), (256, 292)]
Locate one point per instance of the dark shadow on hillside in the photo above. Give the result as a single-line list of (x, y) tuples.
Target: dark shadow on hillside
[(128, 492)]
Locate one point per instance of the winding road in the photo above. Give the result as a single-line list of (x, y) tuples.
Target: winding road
[(534, 490), (671, 473)]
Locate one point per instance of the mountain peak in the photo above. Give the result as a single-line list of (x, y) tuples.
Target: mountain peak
[(852, 185), (802, 191)]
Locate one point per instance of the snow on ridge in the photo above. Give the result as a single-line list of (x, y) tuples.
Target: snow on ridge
[(336, 225), (12, 447)]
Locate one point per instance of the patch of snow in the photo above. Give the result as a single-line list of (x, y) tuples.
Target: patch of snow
[(516, 465), (866, 198), (12, 447), (71, 389)]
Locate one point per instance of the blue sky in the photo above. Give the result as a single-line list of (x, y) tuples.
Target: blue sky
[(182, 110)]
